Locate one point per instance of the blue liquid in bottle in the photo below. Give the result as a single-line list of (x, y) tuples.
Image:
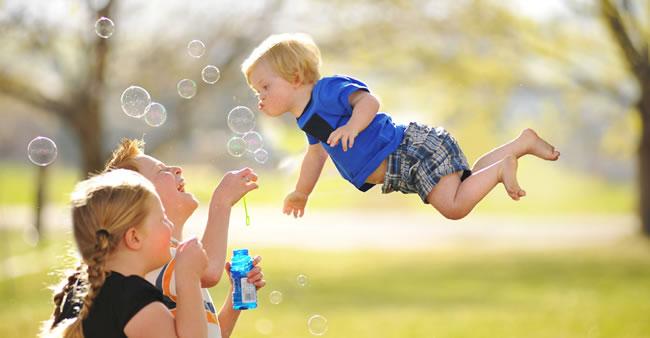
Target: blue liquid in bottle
[(244, 294)]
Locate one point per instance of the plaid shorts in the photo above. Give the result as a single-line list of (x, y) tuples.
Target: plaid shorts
[(425, 155)]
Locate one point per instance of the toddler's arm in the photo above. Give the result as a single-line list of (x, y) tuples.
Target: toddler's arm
[(312, 166), (364, 108), (233, 186)]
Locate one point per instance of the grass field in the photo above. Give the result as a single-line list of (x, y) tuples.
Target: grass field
[(599, 292), (560, 190)]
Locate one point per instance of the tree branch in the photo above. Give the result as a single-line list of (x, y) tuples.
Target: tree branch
[(27, 94), (635, 61)]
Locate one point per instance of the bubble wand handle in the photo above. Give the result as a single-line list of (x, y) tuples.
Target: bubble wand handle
[(248, 219)]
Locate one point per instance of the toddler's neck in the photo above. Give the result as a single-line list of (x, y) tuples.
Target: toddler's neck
[(302, 96)]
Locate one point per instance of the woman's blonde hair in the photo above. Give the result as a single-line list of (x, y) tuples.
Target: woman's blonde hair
[(293, 56), (104, 207)]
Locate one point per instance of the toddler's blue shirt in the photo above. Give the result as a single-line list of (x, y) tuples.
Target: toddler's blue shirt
[(328, 109)]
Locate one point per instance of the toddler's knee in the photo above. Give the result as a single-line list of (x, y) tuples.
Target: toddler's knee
[(454, 213)]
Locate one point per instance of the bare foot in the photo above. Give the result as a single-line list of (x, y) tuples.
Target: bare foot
[(535, 145), (508, 175)]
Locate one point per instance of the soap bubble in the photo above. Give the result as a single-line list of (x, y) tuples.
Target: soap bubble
[(196, 48), (104, 27), (264, 326), (275, 297), (41, 151), (186, 88), (155, 114), (317, 325), (253, 141), (210, 74), (236, 146), (261, 156), (134, 101), (302, 280), (241, 120)]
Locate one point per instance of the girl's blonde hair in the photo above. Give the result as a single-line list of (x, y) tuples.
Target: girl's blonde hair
[(104, 207), (124, 156), (293, 56)]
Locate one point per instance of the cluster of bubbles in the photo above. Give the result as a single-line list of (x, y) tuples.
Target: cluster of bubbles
[(241, 121), (41, 151), (137, 103), (210, 74), (316, 324)]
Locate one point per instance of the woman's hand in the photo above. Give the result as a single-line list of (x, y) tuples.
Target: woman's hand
[(255, 276)]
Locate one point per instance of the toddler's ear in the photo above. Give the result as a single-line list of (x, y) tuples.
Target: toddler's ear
[(297, 79), (133, 239)]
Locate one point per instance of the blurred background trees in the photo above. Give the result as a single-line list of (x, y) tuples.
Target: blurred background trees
[(484, 69)]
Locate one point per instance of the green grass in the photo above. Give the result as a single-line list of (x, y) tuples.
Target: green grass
[(601, 292), (549, 186)]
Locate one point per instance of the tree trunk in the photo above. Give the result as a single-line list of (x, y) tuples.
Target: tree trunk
[(644, 161), (39, 206), (90, 132)]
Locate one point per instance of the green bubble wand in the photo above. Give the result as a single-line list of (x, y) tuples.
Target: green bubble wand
[(248, 219)]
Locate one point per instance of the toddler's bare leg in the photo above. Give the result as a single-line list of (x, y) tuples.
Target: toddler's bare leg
[(528, 142), (455, 199)]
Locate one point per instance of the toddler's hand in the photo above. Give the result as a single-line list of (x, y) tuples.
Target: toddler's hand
[(295, 203), (255, 276), (234, 185), (191, 259), (346, 134)]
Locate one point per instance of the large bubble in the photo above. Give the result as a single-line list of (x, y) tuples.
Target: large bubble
[(261, 156), (196, 48), (155, 114), (253, 140), (275, 297), (104, 27), (317, 325), (241, 120), (41, 151), (186, 88), (134, 101), (210, 74), (236, 146)]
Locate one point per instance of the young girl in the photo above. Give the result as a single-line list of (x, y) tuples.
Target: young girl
[(341, 120), (121, 232)]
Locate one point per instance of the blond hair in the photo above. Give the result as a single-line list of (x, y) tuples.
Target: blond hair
[(104, 207), (293, 56), (124, 155)]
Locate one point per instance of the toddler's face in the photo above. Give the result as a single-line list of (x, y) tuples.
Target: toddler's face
[(275, 94)]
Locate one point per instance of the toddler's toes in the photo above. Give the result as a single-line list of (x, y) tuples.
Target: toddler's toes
[(555, 156), (514, 195)]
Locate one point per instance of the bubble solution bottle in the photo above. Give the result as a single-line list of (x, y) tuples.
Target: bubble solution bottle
[(244, 294)]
